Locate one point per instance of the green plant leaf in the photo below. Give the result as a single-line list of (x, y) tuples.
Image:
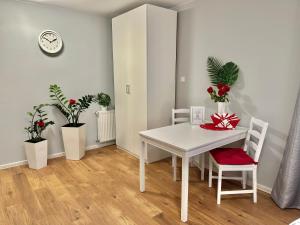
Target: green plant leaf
[(224, 74), (62, 110), (214, 67), (230, 73)]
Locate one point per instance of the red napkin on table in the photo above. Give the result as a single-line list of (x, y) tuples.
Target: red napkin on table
[(225, 120), (222, 122)]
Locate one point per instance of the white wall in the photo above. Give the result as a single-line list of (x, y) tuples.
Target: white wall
[(262, 37), (84, 67)]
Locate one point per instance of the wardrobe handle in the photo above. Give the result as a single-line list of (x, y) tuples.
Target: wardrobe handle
[(127, 89)]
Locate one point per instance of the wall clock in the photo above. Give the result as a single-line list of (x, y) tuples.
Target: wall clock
[(50, 41)]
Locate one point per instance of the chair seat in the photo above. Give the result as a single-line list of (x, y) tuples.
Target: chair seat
[(231, 156)]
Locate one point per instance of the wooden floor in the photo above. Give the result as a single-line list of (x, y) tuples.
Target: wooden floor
[(102, 189)]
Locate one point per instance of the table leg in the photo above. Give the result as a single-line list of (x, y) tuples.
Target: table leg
[(142, 166), (202, 159), (174, 164), (184, 189)]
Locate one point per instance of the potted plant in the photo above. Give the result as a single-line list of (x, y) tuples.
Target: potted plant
[(36, 147), (223, 76), (74, 134), (103, 100)]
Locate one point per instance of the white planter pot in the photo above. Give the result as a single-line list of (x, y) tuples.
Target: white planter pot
[(74, 142), (222, 107), (37, 154), (103, 108)]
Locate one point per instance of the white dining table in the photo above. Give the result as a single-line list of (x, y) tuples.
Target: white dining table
[(185, 141)]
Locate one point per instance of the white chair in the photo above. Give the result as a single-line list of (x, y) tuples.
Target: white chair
[(238, 159), (182, 118)]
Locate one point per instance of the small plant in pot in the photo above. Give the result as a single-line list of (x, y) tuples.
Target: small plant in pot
[(103, 100), (74, 135), (36, 147)]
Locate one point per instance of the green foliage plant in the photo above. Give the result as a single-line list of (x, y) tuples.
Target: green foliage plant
[(70, 108), (102, 99), (219, 73)]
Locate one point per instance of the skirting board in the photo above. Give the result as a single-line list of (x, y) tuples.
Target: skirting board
[(249, 182), (264, 188), (100, 145), (130, 153), (55, 155)]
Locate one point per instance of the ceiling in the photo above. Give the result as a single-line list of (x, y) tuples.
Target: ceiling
[(109, 7)]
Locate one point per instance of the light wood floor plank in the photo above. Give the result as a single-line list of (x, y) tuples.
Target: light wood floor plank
[(103, 189)]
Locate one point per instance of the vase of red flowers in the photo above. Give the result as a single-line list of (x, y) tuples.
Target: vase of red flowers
[(74, 134), (36, 148), (220, 96), (223, 76)]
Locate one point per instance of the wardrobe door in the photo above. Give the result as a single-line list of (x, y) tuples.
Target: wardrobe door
[(137, 76), (129, 40), (120, 49)]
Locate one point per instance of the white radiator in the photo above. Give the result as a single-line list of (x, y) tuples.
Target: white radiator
[(106, 126)]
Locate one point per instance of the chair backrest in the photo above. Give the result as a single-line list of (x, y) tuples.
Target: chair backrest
[(255, 138), (177, 119)]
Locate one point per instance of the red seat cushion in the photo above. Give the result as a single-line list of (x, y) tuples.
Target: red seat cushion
[(231, 156)]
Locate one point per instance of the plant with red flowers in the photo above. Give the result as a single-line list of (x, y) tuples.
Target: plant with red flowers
[(220, 95), (37, 124), (70, 108), (222, 76)]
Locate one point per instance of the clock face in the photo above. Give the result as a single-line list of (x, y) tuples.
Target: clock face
[(50, 41)]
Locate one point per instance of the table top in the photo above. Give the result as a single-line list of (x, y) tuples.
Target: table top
[(188, 137)]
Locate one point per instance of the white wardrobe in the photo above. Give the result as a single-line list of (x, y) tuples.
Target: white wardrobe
[(144, 55)]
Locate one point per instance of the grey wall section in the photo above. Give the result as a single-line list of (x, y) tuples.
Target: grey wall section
[(84, 67), (262, 37)]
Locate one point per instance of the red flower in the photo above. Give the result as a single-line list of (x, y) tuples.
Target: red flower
[(225, 88), (41, 123), (221, 93), (220, 86), (72, 101), (210, 90)]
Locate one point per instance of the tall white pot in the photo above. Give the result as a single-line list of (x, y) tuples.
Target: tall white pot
[(74, 141), (37, 154), (222, 107)]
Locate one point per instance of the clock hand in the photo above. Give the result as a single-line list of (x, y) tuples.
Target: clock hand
[(53, 40), (47, 39)]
